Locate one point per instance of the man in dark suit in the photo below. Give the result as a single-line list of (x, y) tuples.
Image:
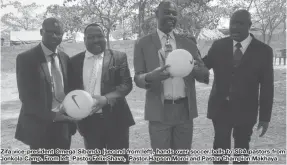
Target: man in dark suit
[(243, 68), (105, 74), (42, 85), (170, 102)]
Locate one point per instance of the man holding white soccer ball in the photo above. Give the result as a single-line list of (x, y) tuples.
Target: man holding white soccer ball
[(167, 65), (100, 80)]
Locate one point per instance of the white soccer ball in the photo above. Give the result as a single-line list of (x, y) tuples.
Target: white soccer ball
[(181, 63), (78, 104)]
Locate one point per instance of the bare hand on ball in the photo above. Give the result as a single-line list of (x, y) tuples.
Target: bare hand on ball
[(60, 114), (158, 74), (99, 103)]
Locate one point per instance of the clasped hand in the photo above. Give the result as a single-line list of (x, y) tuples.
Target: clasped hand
[(60, 114), (99, 103), (158, 74)]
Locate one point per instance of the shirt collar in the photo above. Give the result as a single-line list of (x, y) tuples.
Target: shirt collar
[(47, 51), (89, 54), (245, 42), (162, 34)]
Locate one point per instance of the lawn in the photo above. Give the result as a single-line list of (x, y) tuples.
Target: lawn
[(139, 138)]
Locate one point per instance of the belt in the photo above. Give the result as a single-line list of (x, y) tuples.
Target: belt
[(177, 101)]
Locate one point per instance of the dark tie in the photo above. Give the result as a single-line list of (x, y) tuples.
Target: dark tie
[(237, 54), (58, 88)]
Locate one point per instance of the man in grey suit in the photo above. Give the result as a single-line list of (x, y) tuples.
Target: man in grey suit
[(170, 102)]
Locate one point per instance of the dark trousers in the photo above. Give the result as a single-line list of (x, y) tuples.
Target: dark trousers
[(57, 137), (98, 135), (222, 139)]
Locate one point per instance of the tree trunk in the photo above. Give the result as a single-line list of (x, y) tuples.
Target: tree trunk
[(269, 38), (249, 5), (108, 38), (141, 16), (263, 36)]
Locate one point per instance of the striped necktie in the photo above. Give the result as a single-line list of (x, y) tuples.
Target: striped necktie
[(168, 47), (57, 79)]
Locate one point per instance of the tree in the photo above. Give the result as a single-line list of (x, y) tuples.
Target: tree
[(104, 12), (268, 16), (70, 16), (145, 10), (27, 19), (193, 16)]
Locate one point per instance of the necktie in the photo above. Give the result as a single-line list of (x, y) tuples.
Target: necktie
[(58, 88), (93, 77), (168, 47), (237, 54)]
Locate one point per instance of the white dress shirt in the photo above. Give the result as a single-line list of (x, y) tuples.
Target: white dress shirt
[(89, 62), (245, 43), (48, 53), (174, 88)]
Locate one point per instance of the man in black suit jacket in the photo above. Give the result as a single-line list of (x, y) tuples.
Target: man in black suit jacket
[(241, 72), (105, 74), (42, 85)]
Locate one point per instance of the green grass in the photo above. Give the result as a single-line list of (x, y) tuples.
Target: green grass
[(139, 138)]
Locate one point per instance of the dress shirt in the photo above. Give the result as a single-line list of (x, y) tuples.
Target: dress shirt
[(174, 88), (245, 43), (89, 62), (48, 53)]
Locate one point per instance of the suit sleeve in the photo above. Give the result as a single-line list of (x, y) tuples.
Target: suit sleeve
[(266, 88), (28, 94), (140, 67), (126, 84), (200, 72), (208, 59)]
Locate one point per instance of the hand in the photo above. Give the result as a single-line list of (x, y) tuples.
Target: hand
[(99, 103), (60, 114), (158, 74), (264, 125)]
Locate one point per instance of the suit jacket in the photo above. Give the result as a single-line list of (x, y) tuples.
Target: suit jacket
[(146, 59), (243, 84), (116, 83), (35, 93)]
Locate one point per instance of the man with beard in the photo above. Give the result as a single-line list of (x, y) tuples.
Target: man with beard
[(105, 74), (42, 85), (170, 103), (243, 68)]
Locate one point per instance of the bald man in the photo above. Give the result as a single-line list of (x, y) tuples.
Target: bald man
[(42, 85), (243, 85)]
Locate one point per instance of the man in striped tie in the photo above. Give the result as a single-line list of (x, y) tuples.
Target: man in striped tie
[(42, 85), (171, 102)]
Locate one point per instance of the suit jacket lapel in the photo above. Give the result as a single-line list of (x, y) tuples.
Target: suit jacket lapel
[(106, 63), (248, 51), (229, 52), (155, 39), (178, 41), (63, 65), (43, 63), (81, 67)]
